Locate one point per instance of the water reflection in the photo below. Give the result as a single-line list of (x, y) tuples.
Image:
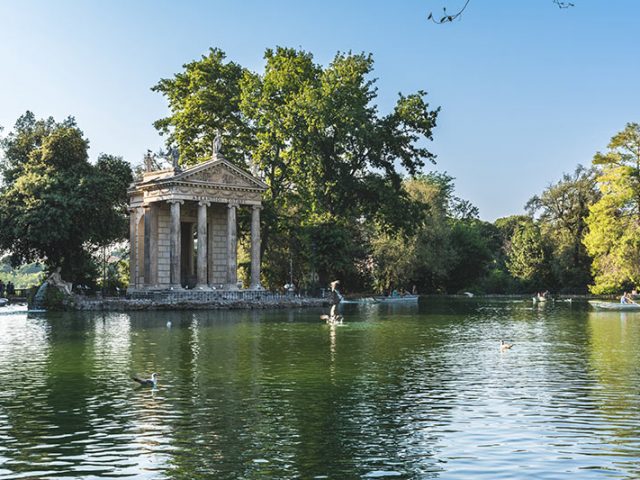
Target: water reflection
[(403, 392)]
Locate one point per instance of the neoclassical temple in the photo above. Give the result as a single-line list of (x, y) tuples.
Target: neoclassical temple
[(183, 227)]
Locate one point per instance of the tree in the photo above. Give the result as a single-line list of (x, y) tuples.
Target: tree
[(528, 256), (447, 250), (473, 243), (613, 238), (54, 204), (563, 209), (204, 99), (315, 136)]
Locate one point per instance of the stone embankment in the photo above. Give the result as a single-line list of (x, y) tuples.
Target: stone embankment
[(195, 300)]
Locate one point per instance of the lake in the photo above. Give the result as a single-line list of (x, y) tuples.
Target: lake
[(407, 392)]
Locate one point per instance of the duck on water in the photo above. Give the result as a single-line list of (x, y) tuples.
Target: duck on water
[(147, 382), (504, 346)]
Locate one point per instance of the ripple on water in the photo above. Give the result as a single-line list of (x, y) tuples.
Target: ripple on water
[(401, 393)]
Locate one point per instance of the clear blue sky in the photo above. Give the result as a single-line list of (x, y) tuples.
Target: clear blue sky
[(527, 90)]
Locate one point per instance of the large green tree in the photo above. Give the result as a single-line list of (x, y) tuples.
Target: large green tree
[(54, 204), (313, 133), (613, 238), (447, 250), (529, 256), (562, 210)]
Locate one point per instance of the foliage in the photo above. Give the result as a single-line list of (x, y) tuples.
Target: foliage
[(54, 204), (24, 276), (204, 99), (562, 210), (314, 135), (613, 239), (447, 250), (473, 243), (528, 256)]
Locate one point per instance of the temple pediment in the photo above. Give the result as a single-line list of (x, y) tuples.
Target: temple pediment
[(215, 181), (219, 173)]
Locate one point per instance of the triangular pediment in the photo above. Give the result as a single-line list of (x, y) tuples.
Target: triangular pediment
[(220, 172)]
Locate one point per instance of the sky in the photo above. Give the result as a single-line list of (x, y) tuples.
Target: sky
[(527, 90)]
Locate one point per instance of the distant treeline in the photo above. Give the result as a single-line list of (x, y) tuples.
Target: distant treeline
[(25, 276)]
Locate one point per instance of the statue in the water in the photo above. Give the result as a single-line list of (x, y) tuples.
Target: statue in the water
[(335, 297)]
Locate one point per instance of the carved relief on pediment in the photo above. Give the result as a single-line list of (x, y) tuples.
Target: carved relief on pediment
[(219, 175)]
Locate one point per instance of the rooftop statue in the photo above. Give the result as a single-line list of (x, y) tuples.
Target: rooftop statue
[(174, 154), (217, 144), (150, 163)]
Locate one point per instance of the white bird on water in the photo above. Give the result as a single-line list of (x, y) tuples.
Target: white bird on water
[(147, 382), (505, 346)]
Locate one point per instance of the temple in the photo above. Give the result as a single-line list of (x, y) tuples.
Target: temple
[(183, 226)]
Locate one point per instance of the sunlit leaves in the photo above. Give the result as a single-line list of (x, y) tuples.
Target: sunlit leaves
[(613, 239)]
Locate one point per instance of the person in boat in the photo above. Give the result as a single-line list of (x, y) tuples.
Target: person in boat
[(414, 290), (11, 289), (626, 298)]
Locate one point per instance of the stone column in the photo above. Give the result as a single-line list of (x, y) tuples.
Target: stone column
[(255, 247), (147, 246), (133, 249), (174, 243), (202, 245), (153, 244), (232, 248)]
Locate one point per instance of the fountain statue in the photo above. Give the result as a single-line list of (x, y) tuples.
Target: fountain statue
[(56, 280)]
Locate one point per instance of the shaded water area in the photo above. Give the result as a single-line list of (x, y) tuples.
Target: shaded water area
[(397, 392)]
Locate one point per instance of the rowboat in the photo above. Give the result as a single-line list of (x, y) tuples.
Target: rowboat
[(615, 306), (360, 300), (398, 299)]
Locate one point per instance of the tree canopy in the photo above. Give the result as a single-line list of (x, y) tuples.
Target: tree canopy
[(54, 204), (613, 238), (314, 134)]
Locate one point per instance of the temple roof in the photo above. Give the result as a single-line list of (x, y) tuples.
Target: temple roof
[(215, 180), (217, 172)]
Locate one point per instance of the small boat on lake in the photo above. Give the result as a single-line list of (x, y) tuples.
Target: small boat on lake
[(398, 299), (362, 300), (615, 306), (3, 301)]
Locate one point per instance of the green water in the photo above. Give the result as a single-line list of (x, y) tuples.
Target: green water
[(396, 392)]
